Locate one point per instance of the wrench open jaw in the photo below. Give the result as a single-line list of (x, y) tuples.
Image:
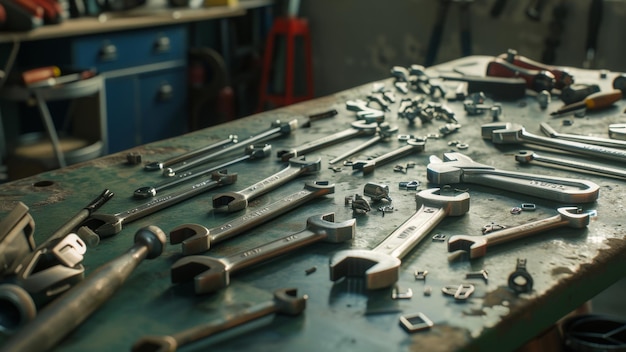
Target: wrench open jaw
[(476, 246), (210, 274), (235, 201), (459, 168), (381, 266)]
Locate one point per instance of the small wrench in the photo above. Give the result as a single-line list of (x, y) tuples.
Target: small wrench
[(278, 129), (368, 166), (253, 152), (607, 142), (197, 238), (286, 302), (364, 112), (477, 245), (106, 225), (160, 165), (528, 157), (459, 168), (234, 201), (509, 133), (359, 128), (383, 133), (381, 265), (211, 274)]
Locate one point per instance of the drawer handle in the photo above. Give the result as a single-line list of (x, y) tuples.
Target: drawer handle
[(108, 52), (165, 93), (162, 44)]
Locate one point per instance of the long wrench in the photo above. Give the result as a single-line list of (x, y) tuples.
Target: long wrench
[(509, 133), (69, 310), (477, 245), (210, 274), (607, 142), (530, 157), (459, 168), (286, 302), (252, 152), (358, 129), (160, 165), (235, 201), (383, 133), (381, 265), (368, 166), (106, 225), (197, 238), (278, 129)]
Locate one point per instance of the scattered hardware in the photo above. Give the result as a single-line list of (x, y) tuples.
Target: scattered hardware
[(439, 237), (460, 292), (420, 274), (416, 322), (482, 274), (397, 294), (520, 280)]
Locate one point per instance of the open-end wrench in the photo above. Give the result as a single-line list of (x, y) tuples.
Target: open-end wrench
[(68, 311), (383, 133), (607, 142), (286, 302), (528, 156), (235, 201), (278, 129), (197, 238), (510, 133), (368, 166), (364, 112), (359, 128), (160, 165), (210, 274), (381, 266), (106, 225), (252, 152), (459, 168), (476, 246)]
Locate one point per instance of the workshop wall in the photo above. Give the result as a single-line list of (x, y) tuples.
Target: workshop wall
[(358, 41)]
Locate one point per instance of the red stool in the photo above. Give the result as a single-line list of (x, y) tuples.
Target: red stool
[(290, 27)]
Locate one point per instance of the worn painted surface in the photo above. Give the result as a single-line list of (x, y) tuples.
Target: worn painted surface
[(569, 266)]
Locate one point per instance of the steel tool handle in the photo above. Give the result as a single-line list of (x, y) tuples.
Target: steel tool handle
[(576, 147), (324, 141), (357, 149), (295, 169)]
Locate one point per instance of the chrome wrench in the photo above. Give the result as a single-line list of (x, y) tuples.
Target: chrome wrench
[(286, 302), (197, 238), (459, 168), (509, 133), (607, 142), (358, 129), (367, 166), (278, 129), (210, 274), (364, 112), (253, 152), (477, 245), (529, 157), (382, 134), (380, 266), (234, 201), (160, 165), (106, 225)]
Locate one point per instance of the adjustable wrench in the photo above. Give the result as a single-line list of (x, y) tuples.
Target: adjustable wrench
[(383, 133), (528, 156), (253, 152), (459, 168), (211, 274), (359, 128), (286, 301), (368, 166), (107, 225), (477, 245), (381, 265), (509, 133), (278, 129), (607, 142), (197, 238), (234, 201), (160, 165)]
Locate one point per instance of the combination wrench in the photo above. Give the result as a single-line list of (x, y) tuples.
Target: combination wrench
[(160, 165), (364, 112), (358, 129), (368, 166), (210, 274), (106, 225), (383, 133), (196, 238), (459, 168), (277, 129), (252, 152), (285, 302), (235, 201), (476, 246), (510, 133), (607, 142), (530, 157), (381, 266)]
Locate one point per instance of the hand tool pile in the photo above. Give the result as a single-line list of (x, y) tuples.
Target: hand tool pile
[(411, 119)]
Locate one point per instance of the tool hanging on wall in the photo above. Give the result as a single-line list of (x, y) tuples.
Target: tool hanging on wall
[(437, 32), (593, 28)]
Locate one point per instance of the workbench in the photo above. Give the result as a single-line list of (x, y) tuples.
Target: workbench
[(568, 266)]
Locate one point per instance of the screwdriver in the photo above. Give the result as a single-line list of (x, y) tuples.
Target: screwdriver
[(595, 101)]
